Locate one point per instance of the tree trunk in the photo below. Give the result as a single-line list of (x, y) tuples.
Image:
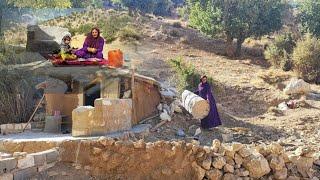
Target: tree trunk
[(239, 45), (1, 33), (195, 105), (229, 47)]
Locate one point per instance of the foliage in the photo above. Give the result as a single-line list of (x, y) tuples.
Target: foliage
[(87, 3), (279, 53), (309, 16), (82, 29), (40, 3), (206, 18), (159, 7), (306, 58), (162, 7), (237, 19), (16, 95), (112, 25), (128, 33)]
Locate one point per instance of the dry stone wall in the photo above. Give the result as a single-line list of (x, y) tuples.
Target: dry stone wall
[(21, 166), (111, 159)]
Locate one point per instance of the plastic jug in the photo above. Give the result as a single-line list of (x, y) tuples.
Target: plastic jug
[(115, 58)]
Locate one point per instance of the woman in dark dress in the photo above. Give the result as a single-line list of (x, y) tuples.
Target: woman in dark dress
[(204, 91)]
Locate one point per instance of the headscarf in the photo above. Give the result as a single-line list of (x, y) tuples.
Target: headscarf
[(91, 41)]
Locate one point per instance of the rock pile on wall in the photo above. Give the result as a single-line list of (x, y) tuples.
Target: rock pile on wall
[(111, 159)]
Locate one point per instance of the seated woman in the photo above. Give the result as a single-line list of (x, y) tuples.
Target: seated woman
[(92, 46), (213, 118)]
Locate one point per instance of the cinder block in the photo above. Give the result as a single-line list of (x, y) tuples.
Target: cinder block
[(6, 165), (6, 176), (46, 166), (24, 174), (39, 158), (52, 155), (26, 162)]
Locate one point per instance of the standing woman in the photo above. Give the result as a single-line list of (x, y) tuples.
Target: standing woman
[(92, 46), (204, 91)]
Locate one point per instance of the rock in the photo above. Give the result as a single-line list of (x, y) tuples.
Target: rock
[(242, 172), (297, 86), (281, 174), (230, 160), (216, 145), (293, 178), (158, 35), (160, 107), (127, 94), (200, 173), (237, 146), (214, 174), (257, 165), (206, 164), (96, 151), (229, 176), (228, 168), (165, 116), (283, 106), (180, 133), (277, 163), (304, 164), (229, 152), (198, 131), (227, 137), (275, 148), (219, 162), (305, 151), (245, 152), (238, 159)]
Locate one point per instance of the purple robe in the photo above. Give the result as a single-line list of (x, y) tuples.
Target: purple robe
[(213, 118), (83, 52)]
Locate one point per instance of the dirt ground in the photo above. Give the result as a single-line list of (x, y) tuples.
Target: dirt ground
[(248, 95), (249, 90)]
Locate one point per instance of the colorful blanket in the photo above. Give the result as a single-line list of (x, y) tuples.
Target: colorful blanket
[(57, 61)]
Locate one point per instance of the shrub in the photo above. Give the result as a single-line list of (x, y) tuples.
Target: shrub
[(16, 94), (306, 58), (279, 53), (128, 33), (188, 76), (112, 25)]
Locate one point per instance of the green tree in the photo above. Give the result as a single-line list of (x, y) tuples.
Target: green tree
[(309, 16), (137, 6), (236, 19)]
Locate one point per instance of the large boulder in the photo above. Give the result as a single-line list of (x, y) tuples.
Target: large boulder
[(297, 86), (257, 165)]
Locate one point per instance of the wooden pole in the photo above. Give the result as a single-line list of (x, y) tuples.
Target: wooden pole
[(133, 94), (35, 110)]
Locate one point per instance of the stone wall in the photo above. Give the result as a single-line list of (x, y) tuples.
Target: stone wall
[(110, 159), (21, 166), (14, 128)]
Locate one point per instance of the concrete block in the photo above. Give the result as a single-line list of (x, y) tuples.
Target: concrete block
[(24, 174), (26, 162), (6, 176), (6, 165), (52, 155), (39, 158), (46, 166), (81, 118), (111, 115)]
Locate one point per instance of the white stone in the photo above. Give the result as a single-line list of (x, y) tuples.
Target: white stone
[(219, 162), (46, 166), (297, 86), (26, 162), (164, 116)]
